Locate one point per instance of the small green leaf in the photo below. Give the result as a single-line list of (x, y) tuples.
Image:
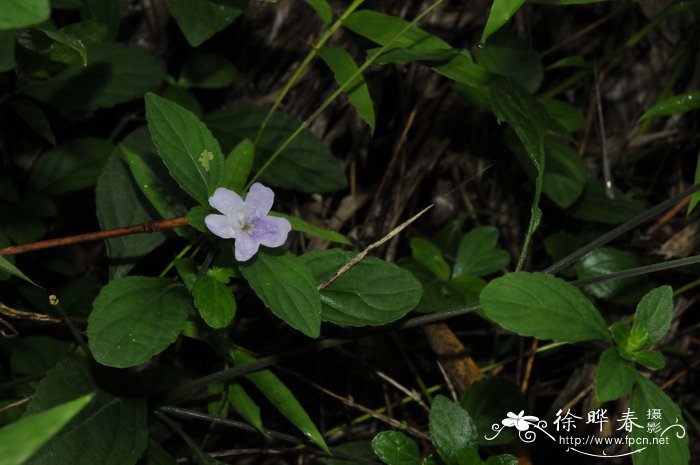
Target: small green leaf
[(650, 359), (614, 376), (207, 71), (430, 256), (652, 318), (304, 226), (620, 334), (19, 440), (501, 12), (372, 292), (647, 396), (237, 166), (68, 41), (186, 146), (6, 265), (395, 448), (17, 14), (135, 318), (323, 9), (287, 287), (488, 401), (674, 105), (542, 306), (506, 54), (187, 268), (344, 67), (214, 301), (566, 115), (245, 406), (196, 215), (282, 398), (201, 19), (479, 254), (35, 118), (451, 429)]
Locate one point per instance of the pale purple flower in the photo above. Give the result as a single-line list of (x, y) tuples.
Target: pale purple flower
[(247, 221)]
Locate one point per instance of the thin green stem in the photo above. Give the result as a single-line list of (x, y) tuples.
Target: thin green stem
[(687, 287), (640, 270), (372, 58), (327, 34), (177, 257), (535, 216)]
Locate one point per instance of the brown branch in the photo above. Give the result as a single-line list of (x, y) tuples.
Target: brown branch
[(149, 227)]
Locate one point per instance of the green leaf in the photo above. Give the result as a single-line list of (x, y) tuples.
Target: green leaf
[(674, 105), (214, 301), (110, 430), (7, 49), (304, 226), (408, 55), (438, 294), (650, 359), (645, 396), (7, 266), (237, 166), (344, 67), (120, 203), (34, 117), (323, 9), (135, 318), (566, 115), (37, 354), (115, 74), (71, 166), (201, 19), (69, 42), (282, 398), (17, 14), (501, 12), (614, 376), (451, 429), (21, 439), (395, 448), (479, 254), (488, 401), (564, 173), (542, 306), (286, 286), (381, 28), (372, 292), (430, 256), (306, 165), (652, 318), (245, 406), (196, 215), (506, 54), (595, 206), (186, 146), (184, 98), (207, 71)]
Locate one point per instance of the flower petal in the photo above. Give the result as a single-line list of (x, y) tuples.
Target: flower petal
[(221, 226), (227, 202), (271, 231), (245, 247), (509, 422), (522, 425), (259, 200)]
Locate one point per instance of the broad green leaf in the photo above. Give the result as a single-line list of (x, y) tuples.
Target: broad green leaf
[(542, 306), (695, 198), (501, 12), (605, 260), (17, 14), (652, 318), (287, 287), (381, 28), (186, 146), (201, 19), (566, 115), (110, 430), (430, 256), (372, 292), (207, 71), (69, 42), (488, 401), (281, 397), (214, 301), (344, 67), (564, 173), (237, 166), (98, 85), (323, 9), (645, 396), (135, 318), (674, 105), (120, 203), (7, 266), (306, 165), (71, 166), (245, 406), (650, 359), (479, 254), (595, 206), (34, 117), (451, 429), (21, 439), (395, 448), (506, 54), (304, 226), (614, 376)]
